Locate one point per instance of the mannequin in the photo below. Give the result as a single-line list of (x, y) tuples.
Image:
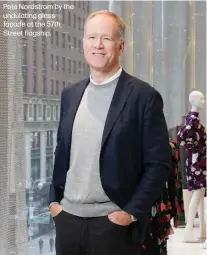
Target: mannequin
[(193, 136), (187, 195)]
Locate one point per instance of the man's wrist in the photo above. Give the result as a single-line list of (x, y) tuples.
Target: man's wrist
[(53, 203), (134, 219)]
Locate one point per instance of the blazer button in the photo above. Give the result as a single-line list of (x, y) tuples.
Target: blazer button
[(61, 187)]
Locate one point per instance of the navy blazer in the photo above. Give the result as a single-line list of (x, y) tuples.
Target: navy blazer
[(135, 153)]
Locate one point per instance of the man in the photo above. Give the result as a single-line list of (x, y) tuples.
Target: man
[(41, 242), (51, 244), (112, 155)]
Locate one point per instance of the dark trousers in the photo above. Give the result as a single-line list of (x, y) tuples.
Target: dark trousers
[(92, 236)]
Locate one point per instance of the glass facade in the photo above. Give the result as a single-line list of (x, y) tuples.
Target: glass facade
[(165, 45)]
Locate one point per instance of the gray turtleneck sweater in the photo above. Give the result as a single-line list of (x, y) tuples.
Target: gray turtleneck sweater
[(84, 195)]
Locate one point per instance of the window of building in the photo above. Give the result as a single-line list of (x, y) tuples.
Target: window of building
[(57, 15), (80, 45), (25, 111), (43, 59), (24, 76), (44, 112), (57, 63), (44, 3), (79, 67), (69, 19), (35, 140), (49, 166), (34, 83), (74, 42), (34, 57), (57, 88), (57, 112), (74, 20), (44, 83), (24, 54), (30, 110), (44, 37), (24, 27), (51, 61), (48, 112), (69, 65), (83, 23), (63, 40), (87, 6), (63, 84), (79, 23), (53, 8), (52, 112), (35, 112), (63, 16), (84, 71), (56, 38), (52, 87), (74, 66), (52, 36), (34, 40), (69, 41), (49, 142), (35, 169), (39, 110), (63, 64)]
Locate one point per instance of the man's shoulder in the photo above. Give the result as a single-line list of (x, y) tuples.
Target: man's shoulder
[(75, 86), (141, 86)]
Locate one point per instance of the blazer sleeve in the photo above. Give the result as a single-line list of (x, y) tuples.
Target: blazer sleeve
[(156, 158), (56, 193)]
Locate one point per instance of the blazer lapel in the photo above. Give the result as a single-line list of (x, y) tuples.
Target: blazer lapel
[(75, 97), (120, 96)]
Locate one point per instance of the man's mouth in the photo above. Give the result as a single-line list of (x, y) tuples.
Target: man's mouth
[(96, 53)]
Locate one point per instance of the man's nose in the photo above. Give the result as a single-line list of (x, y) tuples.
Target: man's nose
[(98, 43)]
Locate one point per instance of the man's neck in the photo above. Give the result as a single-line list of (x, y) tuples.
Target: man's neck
[(101, 76)]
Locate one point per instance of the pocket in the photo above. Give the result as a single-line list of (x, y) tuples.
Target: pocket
[(57, 216), (117, 225)]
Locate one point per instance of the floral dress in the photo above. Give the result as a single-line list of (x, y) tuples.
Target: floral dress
[(168, 206), (193, 136)]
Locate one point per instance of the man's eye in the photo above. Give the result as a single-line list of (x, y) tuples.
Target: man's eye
[(107, 38), (91, 37)]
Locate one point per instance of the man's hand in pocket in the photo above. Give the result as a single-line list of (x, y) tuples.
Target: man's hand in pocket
[(55, 210), (120, 218)]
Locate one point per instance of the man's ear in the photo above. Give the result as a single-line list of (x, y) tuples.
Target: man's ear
[(122, 45)]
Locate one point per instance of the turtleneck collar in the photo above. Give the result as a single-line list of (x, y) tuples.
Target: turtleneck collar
[(112, 78)]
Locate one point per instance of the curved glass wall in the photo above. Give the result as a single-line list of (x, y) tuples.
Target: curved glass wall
[(165, 46)]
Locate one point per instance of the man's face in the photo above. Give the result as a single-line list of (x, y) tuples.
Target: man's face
[(101, 43)]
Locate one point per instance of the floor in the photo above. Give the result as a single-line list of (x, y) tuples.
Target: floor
[(176, 247)]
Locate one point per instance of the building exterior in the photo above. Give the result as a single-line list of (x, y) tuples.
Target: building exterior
[(13, 229), (33, 72), (48, 65)]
